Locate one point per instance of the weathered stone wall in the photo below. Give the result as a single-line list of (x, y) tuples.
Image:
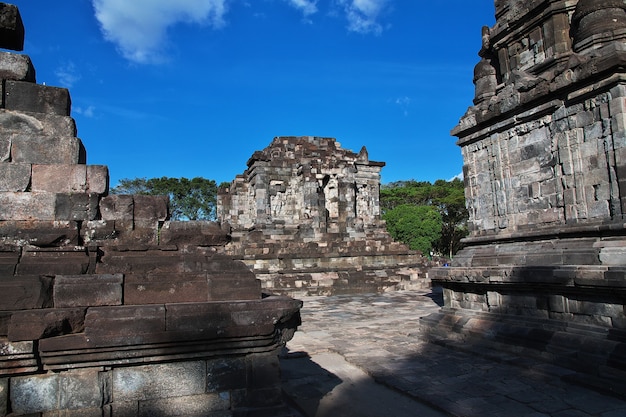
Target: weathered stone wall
[(106, 307), (305, 217), (543, 148)]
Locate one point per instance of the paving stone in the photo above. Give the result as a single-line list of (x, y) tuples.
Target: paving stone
[(465, 384)]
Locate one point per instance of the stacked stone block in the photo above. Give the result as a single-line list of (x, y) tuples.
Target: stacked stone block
[(106, 307), (305, 217), (543, 151)]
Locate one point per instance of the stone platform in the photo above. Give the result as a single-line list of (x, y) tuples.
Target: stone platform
[(380, 335)]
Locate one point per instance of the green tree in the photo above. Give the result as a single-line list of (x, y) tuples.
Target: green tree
[(190, 199), (419, 227), (446, 196)]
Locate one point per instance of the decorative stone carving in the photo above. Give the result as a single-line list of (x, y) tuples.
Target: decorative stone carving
[(544, 162), (305, 217)]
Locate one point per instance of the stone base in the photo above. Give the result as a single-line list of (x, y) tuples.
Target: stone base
[(238, 386), (593, 356)]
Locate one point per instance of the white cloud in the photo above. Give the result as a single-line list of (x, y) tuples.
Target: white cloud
[(139, 27), (87, 112), (363, 15), (403, 103), (458, 176), (307, 7), (67, 74)]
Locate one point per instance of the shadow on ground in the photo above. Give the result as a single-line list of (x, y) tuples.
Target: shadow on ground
[(353, 352)]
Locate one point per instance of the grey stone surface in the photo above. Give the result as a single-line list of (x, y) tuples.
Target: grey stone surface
[(47, 150), (14, 176), (11, 27), (37, 98), (16, 67), (382, 336), (159, 381)]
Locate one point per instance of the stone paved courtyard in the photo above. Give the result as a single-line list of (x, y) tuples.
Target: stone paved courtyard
[(379, 334)]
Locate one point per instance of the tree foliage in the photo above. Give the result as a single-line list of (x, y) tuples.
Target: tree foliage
[(417, 226), (447, 197), (190, 199)]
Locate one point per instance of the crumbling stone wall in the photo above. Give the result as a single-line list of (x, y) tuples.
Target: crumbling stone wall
[(305, 217), (543, 148), (107, 307)]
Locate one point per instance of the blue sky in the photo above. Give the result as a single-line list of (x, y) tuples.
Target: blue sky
[(192, 88)]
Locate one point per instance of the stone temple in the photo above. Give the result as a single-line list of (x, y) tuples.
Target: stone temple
[(106, 307), (305, 217), (544, 149)]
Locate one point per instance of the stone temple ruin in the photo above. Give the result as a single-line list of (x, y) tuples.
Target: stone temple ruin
[(305, 217), (106, 307), (544, 146)]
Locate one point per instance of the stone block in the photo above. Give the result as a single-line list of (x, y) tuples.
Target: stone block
[(191, 405), (160, 381), (77, 206), (87, 290), (57, 178), (165, 288), (27, 206), (35, 393), (97, 179), (225, 374), (36, 98), (40, 233), (11, 27), (24, 292), (43, 323), (53, 261), (37, 124), (200, 233), (47, 150), (117, 207), (14, 177), (125, 320), (613, 256), (4, 396), (233, 287), (16, 67), (150, 209)]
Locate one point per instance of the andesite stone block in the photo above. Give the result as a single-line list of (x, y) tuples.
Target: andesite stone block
[(53, 261), (189, 405), (35, 393), (47, 149), (24, 293), (42, 323), (59, 178), (37, 98), (87, 290), (11, 27), (16, 67), (37, 123), (117, 207), (159, 381), (125, 320), (77, 206), (14, 176), (150, 209), (27, 206), (165, 288), (40, 232)]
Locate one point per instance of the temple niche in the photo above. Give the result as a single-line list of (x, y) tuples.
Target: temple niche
[(544, 148), (305, 217)]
